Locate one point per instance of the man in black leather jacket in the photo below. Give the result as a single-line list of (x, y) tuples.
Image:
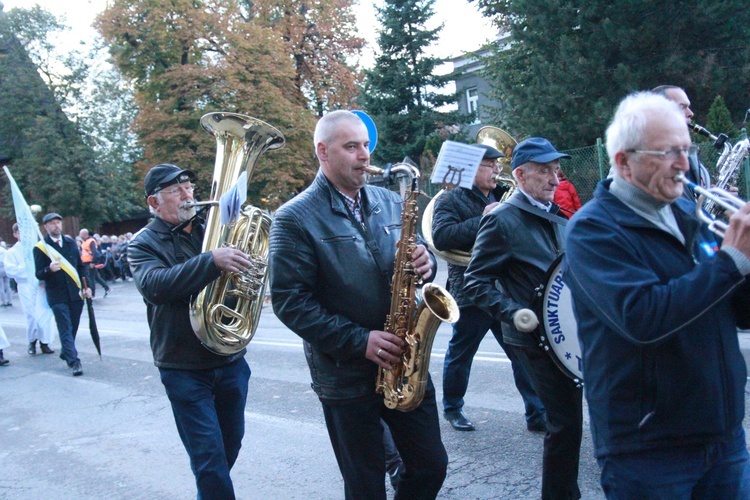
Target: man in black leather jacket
[(455, 225), (516, 244), (207, 391), (332, 255)]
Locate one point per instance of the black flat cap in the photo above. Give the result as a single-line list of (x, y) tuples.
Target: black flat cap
[(163, 175), (51, 216)]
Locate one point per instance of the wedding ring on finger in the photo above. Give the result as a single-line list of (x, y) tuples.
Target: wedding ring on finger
[(379, 351)]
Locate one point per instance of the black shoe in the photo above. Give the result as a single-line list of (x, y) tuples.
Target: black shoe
[(458, 420), (3, 361), (106, 292), (32, 348), (46, 349), (77, 370), (537, 426)]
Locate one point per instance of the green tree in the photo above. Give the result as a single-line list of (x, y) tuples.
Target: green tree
[(570, 63), (401, 92), (189, 57), (720, 120), (50, 159)]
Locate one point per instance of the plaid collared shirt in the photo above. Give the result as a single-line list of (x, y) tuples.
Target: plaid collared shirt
[(354, 205)]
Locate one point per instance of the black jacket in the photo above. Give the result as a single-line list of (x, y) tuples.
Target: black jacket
[(169, 269), (514, 248), (60, 287), (330, 281), (455, 224)]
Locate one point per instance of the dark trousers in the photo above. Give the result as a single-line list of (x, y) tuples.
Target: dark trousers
[(562, 444), (209, 410), (67, 318), (95, 278), (357, 438), (468, 333)]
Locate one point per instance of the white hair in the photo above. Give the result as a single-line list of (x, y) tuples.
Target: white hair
[(627, 130)]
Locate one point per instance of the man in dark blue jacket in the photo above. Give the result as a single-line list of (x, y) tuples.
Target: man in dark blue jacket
[(658, 303), (332, 253), (58, 264), (455, 225), (207, 391)]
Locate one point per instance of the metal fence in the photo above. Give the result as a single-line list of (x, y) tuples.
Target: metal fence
[(589, 165)]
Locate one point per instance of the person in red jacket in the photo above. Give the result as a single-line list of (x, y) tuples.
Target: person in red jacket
[(566, 195)]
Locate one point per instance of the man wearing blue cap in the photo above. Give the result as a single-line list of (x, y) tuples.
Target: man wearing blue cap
[(454, 227), (207, 391), (516, 244), (58, 264)]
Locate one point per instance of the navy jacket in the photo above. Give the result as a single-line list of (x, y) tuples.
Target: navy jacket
[(331, 286), (168, 269), (60, 287), (657, 321)]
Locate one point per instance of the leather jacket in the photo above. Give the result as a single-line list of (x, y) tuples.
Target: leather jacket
[(330, 281), (455, 224), (168, 269), (514, 248)]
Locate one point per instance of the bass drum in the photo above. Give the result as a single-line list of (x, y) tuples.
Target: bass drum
[(558, 331)]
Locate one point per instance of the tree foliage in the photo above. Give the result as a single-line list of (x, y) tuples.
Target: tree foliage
[(189, 57), (401, 92), (319, 35), (720, 120), (51, 162), (570, 63)]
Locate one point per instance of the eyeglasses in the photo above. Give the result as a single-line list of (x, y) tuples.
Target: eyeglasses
[(493, 165), (188, 188), (670, 154)]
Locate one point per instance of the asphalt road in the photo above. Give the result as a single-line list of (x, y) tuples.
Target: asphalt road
[(110, 433)]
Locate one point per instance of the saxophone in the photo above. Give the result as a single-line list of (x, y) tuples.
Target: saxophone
[(728, 165), (225, 314), (415, 322)]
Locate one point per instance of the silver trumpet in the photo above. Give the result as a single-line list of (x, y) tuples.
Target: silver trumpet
[(719, 197)]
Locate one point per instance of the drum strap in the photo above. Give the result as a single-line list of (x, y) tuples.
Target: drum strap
[(528, 207)]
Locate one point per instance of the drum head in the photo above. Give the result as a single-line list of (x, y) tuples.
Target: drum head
[(558, 330)]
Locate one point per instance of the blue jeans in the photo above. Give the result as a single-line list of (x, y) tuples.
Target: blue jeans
[(67, 316), (468, 333), (209, 410), (710, 471)]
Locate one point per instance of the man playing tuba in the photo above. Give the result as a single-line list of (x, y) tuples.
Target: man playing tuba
[(207, 391), (455, 225)]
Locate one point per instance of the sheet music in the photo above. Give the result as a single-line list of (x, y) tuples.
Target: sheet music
[(457, 164)]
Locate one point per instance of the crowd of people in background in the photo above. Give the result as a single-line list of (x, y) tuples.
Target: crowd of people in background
[(113, 266)]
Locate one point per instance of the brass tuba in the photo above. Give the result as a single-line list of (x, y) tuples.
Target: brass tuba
[(414, 322), (225, 314), (503, 142)]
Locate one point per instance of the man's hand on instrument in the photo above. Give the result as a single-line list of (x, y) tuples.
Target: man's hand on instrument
[(489, 207), (230, 260), (383, 348), (421, 262), (738, 233)]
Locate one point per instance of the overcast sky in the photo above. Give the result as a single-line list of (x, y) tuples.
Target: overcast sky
[(464, 28)]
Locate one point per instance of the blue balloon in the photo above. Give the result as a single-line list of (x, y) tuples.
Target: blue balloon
[(372, 131)]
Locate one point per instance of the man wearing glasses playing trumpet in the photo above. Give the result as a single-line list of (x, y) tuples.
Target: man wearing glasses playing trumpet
[(658, 302)]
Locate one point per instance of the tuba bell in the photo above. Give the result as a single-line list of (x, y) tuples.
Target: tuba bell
[(225, 314), (503, 142)]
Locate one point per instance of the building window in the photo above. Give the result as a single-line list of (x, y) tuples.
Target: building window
[(472, 102)]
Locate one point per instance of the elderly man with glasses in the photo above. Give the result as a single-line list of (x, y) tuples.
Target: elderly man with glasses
[(454, 226), (207, 391), (658, 299)]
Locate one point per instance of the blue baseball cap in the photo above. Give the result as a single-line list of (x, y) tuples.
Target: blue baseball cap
[(164, 175), (536, 149), (490, 153)]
